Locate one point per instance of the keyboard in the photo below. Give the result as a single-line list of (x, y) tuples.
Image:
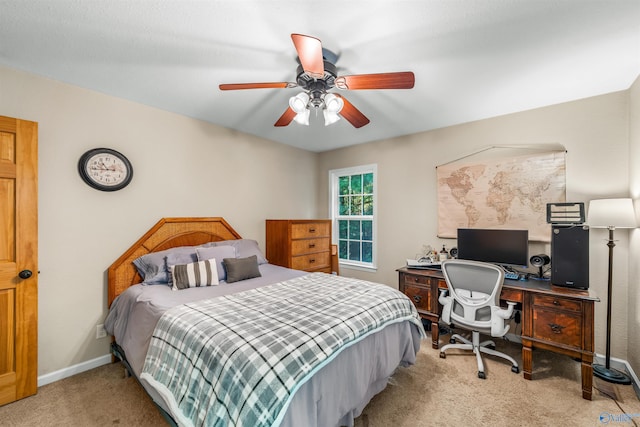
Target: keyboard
[(511, 275)]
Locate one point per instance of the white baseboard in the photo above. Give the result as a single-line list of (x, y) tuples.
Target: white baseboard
[(73, 370)]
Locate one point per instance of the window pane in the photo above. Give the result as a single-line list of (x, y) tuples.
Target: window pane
[(367, 251), (354, 251), (367, 184), (343, 229), (344, 185), (356, 205), (367, 230), (356, 184), (343, 249), (367, 208), (344, 205), (354, 230)]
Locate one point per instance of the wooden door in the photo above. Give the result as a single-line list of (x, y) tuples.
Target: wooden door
[(18, 258)]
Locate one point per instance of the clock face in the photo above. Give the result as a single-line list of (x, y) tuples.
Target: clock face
[(105, 169)]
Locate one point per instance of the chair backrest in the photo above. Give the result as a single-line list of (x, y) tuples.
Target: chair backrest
[(475, 287)]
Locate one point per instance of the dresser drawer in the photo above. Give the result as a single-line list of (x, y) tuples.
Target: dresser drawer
[(307, 246), (311, 261), (557, 302), (306, 230), (420, 296), (557, 327)]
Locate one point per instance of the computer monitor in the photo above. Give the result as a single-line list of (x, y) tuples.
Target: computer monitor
[(503, 247)]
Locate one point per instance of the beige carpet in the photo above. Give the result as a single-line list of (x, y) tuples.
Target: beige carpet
[(434, 392)]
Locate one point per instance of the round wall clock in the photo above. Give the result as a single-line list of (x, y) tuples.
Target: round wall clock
[(105, 169)]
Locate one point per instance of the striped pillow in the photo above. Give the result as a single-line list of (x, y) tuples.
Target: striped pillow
[(201, 273)]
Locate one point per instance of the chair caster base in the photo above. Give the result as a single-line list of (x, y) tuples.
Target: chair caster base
[(443, 355), (515, 369), (452, 341), (481, 375)]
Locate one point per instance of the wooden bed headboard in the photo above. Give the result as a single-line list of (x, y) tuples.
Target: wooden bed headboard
[(167, 233)]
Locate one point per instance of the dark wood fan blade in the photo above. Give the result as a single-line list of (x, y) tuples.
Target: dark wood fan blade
[(401, 80), (352, 114), (310, 54), (275, 85), (286, 118)]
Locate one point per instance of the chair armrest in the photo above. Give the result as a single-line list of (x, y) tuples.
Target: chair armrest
[(506, 313), (499, 316), (447, 303)]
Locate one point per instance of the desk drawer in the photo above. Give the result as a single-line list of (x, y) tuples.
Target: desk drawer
[(417, 280), (557, 327), (307, 246), (513, 295), (557, 302), (312, 261), (420, 296)]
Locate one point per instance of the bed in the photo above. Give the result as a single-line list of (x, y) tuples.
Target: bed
[(265, 346)]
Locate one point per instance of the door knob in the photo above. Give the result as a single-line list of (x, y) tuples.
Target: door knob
[(25, 274)]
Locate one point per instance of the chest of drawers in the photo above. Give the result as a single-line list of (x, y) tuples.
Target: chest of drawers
[(301, 244)]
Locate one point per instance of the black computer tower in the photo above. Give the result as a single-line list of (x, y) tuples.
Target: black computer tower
[(570, 256)]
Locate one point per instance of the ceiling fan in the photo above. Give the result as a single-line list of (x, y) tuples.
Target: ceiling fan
[(316, 75)]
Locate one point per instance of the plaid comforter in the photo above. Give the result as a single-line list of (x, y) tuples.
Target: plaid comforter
[(237, 360)]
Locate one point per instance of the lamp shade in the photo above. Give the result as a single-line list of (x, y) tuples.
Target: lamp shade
[(616, 213)]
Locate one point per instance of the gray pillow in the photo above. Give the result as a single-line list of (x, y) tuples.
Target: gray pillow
[(241, 268), (219, 253), (153, 268), (245, 248)]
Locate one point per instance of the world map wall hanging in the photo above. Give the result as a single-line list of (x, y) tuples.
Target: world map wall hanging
[(506, 193)]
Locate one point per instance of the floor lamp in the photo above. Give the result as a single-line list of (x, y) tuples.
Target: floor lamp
[(610, 214)]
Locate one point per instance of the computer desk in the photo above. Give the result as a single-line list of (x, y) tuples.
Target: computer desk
[(554, 318)]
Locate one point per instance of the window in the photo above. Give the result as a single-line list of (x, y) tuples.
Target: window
[(353, 206)]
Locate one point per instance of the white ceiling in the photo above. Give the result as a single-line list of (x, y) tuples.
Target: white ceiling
[(472, 59)]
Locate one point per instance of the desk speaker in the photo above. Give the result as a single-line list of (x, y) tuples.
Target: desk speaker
[(539, 260), (570, 256)]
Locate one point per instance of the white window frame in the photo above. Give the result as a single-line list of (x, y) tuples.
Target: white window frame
[(334, 210)]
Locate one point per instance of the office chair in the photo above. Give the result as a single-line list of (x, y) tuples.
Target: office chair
[(473, 303)]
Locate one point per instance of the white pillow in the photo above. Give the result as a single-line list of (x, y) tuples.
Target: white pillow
[(200, 273)]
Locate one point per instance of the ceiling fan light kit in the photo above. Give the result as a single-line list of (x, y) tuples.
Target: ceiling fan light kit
[(299, 102), (317, 75)]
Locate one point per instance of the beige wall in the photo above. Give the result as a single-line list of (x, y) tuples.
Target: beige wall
[(182, 167), (234, 175), (633, 352), (594, 132)]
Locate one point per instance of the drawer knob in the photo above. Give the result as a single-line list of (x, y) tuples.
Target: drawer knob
[(417, 299), (311, 261), (312, 245), (555, 328), (312, 230), (556, 302)]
